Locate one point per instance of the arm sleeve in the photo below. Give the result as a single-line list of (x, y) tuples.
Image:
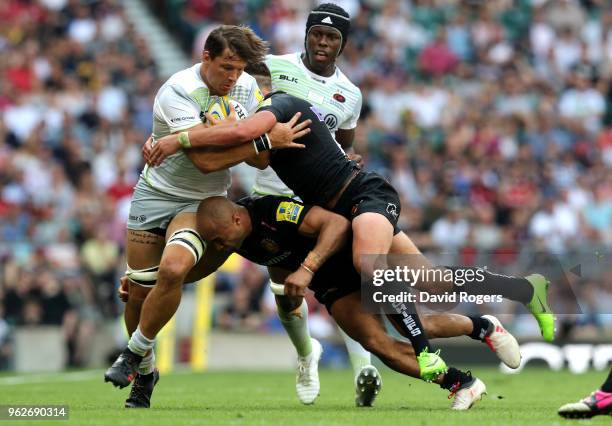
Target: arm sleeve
[(174, 106), (351, 122)]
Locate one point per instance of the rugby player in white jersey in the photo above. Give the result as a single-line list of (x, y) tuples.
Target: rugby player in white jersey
[(162, 245), (313, 76)]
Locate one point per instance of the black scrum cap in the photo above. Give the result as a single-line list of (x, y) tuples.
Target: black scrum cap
[(330, 15)]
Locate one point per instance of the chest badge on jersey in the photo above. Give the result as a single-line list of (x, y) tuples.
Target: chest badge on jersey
[(270, 245), (331, 121), (288, 212), (259, 96), (339, 97)]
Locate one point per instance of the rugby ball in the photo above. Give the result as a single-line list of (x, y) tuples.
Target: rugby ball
[(220, 108)]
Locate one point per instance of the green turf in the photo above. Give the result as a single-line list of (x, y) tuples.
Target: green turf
[(250, 398)]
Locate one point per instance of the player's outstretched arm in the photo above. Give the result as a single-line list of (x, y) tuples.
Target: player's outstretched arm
[(209, 160), (332, 231), (261, 124), (223, 135), (226, 135)]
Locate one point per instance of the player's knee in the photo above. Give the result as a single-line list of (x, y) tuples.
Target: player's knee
[(137, 293), (173, 270), (176, 264), (364, 264)]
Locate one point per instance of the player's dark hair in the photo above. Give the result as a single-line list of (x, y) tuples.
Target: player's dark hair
[(240, 40), (261, 72)]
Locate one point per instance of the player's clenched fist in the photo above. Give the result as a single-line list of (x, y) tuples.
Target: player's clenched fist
[(296, 283)]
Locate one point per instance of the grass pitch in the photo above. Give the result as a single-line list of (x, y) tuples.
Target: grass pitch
[(268, 398)]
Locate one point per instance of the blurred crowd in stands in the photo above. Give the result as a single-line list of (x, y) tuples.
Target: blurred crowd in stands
[(493, 119), (75, 105)]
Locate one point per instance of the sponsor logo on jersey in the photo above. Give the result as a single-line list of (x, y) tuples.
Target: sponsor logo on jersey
[(177, 119), (270, 245), (289, 79), (258, 95), (265, 102), (392, 210), (331, 121), (288, 212), (339, 97)]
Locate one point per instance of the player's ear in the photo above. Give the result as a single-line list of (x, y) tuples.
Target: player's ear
[(206, 56), (236, 219)]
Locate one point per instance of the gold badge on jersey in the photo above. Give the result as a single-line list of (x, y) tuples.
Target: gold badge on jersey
[(264, 103), (258, 95), (288, 212)]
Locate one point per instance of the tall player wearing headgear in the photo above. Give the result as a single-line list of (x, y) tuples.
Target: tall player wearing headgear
[(313, 76)]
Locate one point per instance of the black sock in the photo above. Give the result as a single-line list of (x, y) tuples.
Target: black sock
[(408, 320), (487, 283), (481, 327), (454, 376), (607, 386)]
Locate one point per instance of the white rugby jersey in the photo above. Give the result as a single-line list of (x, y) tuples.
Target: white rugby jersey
[(180, 104), (336, 96)]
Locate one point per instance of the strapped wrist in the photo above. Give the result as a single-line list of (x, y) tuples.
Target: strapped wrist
[(262, 143), (183, 139), (307, 268), (313, 260)]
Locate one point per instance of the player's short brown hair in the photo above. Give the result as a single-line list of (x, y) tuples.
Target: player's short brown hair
[(261, 72), (239, 39)]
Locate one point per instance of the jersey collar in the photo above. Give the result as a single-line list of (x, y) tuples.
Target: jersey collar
[(270, 94), (315, 76)]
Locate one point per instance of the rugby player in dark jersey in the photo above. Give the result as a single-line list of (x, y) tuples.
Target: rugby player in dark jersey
[(284, 233), (321, 175)]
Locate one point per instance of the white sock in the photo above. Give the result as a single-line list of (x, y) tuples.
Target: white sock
[(147, 365), (139, 344), (357, 354), (297, 329)]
